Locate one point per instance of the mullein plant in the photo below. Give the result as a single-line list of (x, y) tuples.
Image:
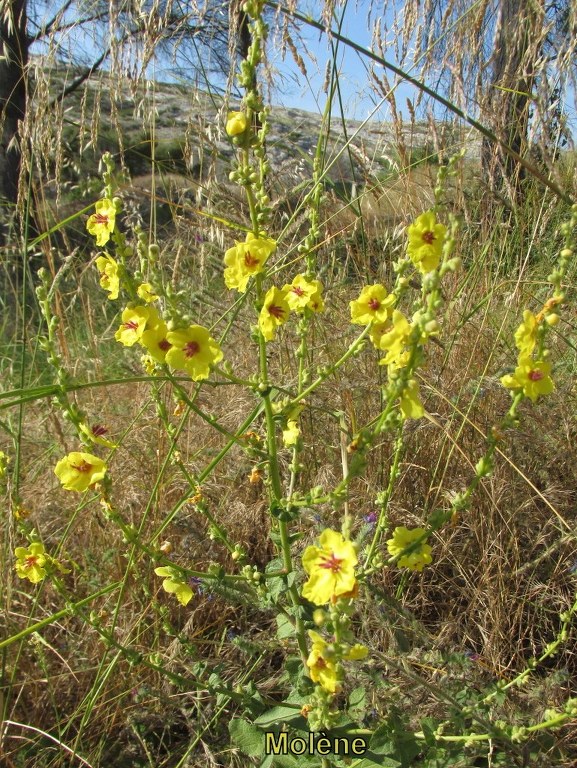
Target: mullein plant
[(320, 608)]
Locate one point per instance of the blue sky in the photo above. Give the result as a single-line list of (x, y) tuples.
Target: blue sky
[(359, 97)]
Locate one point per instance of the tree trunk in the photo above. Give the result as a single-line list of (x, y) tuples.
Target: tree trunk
[(517, 44), (14, 42)]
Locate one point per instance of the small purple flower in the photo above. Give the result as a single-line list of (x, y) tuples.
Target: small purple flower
[(371, 518)]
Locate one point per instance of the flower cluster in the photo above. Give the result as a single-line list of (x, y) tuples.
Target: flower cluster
[(246, 259), (390, 332), (323, 661), (531, 376), (190, 349), (101, 223), (331, 570)]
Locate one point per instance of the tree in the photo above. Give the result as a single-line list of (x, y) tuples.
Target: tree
[(13, 68), (90, 33), (509, 63)]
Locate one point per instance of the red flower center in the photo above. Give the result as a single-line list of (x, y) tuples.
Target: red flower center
[(131, 325), (277, 312), (296, 289), (250, 261), (98, 430), (84, 466), (374, 304), (191, 348), (100, 218), (535, 375), (320, 663), (164, 345), (428, 237), (31, 561), (331, 563)]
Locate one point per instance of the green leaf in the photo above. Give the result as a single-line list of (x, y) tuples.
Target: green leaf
[(281, 715), (394, 740), (370, 759), (357, 703), (285, 627), (246, 737)]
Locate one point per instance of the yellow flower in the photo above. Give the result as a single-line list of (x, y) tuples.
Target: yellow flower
[(78, 471), (410, 404), (393, 340), (193, 350), (290, 435), (331, 568), (175, 585), (526, 334), (101, 223), (155, 337), (274, 312), (236, 123), (373, 305), (30, 562), (322, 667), (109, 277), (96, 434), (532, 376), (134, 320), (4, 460), (322, 661), (246, 259), (145, 293), (303, 293), (403, 539), (425, 244)]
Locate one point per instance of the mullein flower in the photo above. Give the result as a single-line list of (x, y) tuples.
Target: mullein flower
[(290, 434), (526, 334), (331, 569), (144, 291), (373, 305), (78, 471), (410, 402), (4, 461), (323, 659), (193, 350), (402, 540), (175, 585), (155, 337), (426, 239), (393, 340), (274, 312), (96, 434), (236, 123), (109, 277), (321, 664), (101, 223), (303, 293), (532, 376), (134, 320), (33, 563), (244, 260), (30, 562)]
